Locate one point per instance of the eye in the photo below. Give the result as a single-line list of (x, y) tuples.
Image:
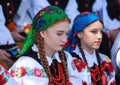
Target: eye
[(94, 31), (59, 34), (101, 31), (66, 34)]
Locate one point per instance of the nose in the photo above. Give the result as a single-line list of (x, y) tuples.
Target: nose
[(64, 39), (100, 34)]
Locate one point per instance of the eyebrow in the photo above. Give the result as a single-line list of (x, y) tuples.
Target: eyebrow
[(98, 28), (60, 31)]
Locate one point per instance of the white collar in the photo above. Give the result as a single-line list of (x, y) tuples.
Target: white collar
[(91, 58), (56, 55)]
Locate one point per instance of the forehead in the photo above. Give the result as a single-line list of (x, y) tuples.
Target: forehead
[(95, 25), (60, 26)]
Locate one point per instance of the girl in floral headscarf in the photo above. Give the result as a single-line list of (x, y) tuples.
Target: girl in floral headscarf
[(43, 62), (83, 41)]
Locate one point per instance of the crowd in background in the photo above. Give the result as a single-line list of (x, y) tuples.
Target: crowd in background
[(16, 18)]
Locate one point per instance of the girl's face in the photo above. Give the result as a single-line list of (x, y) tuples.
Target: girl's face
[(55, 36), (91, 36)]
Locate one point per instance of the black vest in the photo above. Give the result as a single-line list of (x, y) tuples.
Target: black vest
[(60, 3), (85, 5), (10, 8)]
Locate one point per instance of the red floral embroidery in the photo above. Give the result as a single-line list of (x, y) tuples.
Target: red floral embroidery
[(107, 66), (6, 72), (13, 73), (37, 72), (1, 77), (3, 81), (22, 71), (95, 74), (79, 64), (84, 83), (19, 72), (67, 83)]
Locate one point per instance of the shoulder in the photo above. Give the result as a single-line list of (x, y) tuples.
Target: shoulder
[(104, 57), (27, 66), (71, 55), (67, 55), (25, 61)]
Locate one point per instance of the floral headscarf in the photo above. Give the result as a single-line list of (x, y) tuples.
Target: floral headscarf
[(80, 23), (43, 19)]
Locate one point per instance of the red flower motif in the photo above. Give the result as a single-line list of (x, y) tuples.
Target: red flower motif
[(1, 77), (2, 82), (22, 71), (13, 73), (37, 72), (50, 11), (6, 72), (19, 72), (79, 64), (107, 66), (84, 83)]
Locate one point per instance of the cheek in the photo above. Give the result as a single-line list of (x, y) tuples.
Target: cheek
[(88, 39)]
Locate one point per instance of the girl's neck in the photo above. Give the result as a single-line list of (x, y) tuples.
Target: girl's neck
[(50, 53), (90, 51)]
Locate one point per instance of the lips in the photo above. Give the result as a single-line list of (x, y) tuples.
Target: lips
[(98, 42), (62, 45)]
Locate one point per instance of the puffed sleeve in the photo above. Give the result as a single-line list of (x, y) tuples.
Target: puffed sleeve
[(27, 71), (5, 78)]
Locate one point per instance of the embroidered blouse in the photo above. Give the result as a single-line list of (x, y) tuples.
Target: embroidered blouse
[(28, 71), (91, 71)]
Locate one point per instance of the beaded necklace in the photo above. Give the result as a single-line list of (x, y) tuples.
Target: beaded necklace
[(58, 77), (57, 74)]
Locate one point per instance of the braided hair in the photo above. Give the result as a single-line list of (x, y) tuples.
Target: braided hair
[(40, 43), (84, 58)]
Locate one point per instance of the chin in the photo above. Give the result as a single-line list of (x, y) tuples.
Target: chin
[(96, 48), (59, 49)]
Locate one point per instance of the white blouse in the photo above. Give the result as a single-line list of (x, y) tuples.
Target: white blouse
[(5, 35), (29, 72)]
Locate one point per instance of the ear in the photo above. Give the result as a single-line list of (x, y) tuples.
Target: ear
[(79, 35), (42, 33)]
